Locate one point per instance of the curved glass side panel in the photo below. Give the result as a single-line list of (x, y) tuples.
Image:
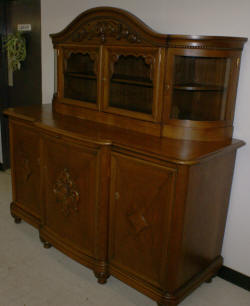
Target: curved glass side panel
[(200, 88)]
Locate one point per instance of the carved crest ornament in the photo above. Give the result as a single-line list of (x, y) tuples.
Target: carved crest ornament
[(66, 193), (104, 30)]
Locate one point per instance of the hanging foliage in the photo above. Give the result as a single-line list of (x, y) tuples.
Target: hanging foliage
[(16, 50)]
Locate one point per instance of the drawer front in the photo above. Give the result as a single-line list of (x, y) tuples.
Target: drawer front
[(141, 200), (25, 147), (70, 193)]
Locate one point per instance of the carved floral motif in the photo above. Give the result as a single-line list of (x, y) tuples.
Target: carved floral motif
[(104, 30), (66, 193)]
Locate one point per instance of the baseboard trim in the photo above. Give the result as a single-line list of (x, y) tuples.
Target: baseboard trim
[(235, 277)]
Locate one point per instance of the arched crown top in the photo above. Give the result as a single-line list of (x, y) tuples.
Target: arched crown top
[(105, 25)]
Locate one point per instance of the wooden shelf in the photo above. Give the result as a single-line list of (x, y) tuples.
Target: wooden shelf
[(81, 75), (132, 81), (198, 87)]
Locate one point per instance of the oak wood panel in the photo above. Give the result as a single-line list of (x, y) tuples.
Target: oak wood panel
[(25, 161), (174, 150), (207, 207), (142, 162), (139, 221), (70, 191)]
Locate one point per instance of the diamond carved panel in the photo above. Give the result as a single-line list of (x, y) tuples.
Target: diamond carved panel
[(138, 221)]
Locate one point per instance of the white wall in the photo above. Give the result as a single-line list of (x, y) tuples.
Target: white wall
[(213, 17)]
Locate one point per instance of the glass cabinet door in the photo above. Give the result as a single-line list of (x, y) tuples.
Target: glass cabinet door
[(80, 70), (131, 82), (200, 87)]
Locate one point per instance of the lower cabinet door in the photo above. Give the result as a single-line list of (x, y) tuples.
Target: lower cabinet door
[(140, 214), (25, 163), (70, 194)]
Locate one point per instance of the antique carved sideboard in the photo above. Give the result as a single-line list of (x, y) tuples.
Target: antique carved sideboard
[(129, 170)]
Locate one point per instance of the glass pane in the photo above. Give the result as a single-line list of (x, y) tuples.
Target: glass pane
[(80, 81), (80, 89), (131, 85), (200, 86)]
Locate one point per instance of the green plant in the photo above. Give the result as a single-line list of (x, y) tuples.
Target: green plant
[(16, 50)]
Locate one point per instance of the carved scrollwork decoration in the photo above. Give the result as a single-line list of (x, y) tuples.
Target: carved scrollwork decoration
[(66, 193), (92, 55), (27, 168), (114, 57), (148, 58), (25, 163), (104, 30)]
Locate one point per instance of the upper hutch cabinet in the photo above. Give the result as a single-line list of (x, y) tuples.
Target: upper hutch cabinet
[(113, 69)]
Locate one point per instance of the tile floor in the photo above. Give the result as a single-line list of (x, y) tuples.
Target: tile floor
[(33, 276)]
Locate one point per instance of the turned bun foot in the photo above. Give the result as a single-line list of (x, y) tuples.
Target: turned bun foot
[(46, 244), (101, 277), (209, 280), (17, 220)]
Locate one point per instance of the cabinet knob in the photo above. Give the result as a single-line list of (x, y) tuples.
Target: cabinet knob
[(117, 195)]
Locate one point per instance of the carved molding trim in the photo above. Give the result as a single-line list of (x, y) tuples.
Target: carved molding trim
[(68, 52), (92, 54), (170, 45), (66, 193), (148, 58), (105, 30)]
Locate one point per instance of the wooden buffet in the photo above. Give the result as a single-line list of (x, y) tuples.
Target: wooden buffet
[(129, 170)]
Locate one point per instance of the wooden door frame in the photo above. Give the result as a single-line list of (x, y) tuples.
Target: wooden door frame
[(4, 102)]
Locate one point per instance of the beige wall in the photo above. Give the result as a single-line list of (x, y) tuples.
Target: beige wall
[(224, 17)]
